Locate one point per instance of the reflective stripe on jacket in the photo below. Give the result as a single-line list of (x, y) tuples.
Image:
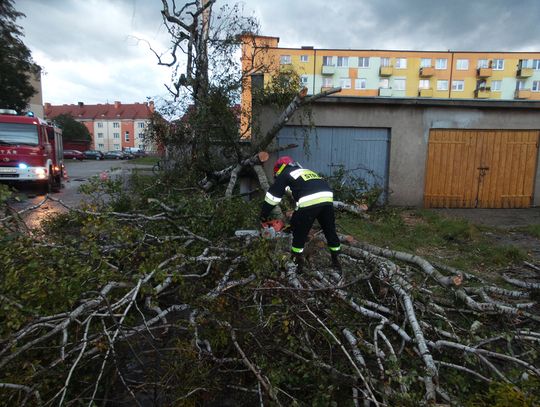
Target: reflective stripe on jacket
[(307, 187)]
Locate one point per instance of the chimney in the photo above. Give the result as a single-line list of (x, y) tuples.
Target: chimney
[(47, 105), (117, 104), (152, 108), (81, 104)]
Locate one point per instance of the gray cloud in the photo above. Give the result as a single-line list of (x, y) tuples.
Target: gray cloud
[(90, 51)]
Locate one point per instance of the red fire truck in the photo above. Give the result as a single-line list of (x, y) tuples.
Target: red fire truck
[(30, 151)]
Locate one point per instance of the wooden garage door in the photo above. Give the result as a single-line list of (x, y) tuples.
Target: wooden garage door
[(480, 168)]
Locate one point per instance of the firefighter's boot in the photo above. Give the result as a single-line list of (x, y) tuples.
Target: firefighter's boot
[(335, 260), (298, 259)]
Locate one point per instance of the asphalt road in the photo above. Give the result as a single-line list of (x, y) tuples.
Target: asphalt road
[(78, 172)]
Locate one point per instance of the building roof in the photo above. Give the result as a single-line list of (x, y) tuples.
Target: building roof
[(116, 111), (491, 103)]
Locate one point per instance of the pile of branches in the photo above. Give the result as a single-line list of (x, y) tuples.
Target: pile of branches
[(192, 319)]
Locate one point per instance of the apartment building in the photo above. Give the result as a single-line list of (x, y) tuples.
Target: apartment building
[(112, 126), (410, 74)]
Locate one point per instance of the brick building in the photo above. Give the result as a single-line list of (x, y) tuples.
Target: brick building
[(112, 126)]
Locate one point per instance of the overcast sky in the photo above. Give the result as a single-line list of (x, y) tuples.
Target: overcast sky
[(90, 49)]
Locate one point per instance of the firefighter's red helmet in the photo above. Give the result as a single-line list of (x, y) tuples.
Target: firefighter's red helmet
[(282, 160)]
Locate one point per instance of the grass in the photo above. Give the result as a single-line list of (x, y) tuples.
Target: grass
[(533, 230), (455, 242)]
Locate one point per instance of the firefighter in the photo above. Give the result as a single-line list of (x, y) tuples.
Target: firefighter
[(313, 197)]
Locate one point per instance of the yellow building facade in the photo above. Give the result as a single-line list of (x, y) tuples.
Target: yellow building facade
[(401, 74)]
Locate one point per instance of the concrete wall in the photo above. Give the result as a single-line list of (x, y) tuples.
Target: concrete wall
[(409, 125)]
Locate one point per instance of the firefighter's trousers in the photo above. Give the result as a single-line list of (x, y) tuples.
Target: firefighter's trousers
[(303, 219)]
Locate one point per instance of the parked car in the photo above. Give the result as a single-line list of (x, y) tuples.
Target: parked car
[(93, 154), (114, 155), (73, 155), (135, 152)]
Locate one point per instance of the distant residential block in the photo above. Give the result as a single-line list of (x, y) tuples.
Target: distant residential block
[(112, 126)]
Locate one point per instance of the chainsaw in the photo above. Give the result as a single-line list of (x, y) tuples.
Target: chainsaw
[(269, 229)]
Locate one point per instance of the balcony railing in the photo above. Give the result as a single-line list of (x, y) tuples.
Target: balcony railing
[(385, 92), (482, 93), (386, 71), (523, 94), (524, 72), (484, 72), (426, 93), (328, 69), (427, 71)]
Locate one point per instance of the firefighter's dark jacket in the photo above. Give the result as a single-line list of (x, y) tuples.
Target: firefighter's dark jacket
[(308, 189)]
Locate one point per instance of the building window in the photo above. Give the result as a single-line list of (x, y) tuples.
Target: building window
[(482, 85), (520, 85), (360, 83), (441, 63), (345, 83), (285, 59), (116, 125), (462, 64), (116, 135), (303, 80), (328, 61), (498, 64), (401, 63), (536, 86), (100, 125), (304, 58), (458, 86), (384, 83), (126, 136), (525, 63), (384, 62), (425, 63), (363, 62), (536, 64), (101, 145), (343, 61), (399, 83), (117, 147), (496, 86), (423, 84), (327, 83), (483, 63), (442, 84), (100, 135), (140, 125)]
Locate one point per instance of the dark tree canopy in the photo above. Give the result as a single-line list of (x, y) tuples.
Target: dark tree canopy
[(16, 64), (71, 129)]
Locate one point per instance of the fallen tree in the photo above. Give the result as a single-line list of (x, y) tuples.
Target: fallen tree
[(169, 311), (258, 152)]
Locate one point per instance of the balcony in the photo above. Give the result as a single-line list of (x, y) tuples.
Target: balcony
[(484, 72), (386, 71), (427, 71), (524, 72), (386, 92), (523, 94), (328, 69), (482, 93), (425, 93)]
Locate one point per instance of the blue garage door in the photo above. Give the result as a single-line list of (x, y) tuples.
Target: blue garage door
[(361, 152)]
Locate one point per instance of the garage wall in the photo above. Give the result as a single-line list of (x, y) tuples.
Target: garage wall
[(409, 126)]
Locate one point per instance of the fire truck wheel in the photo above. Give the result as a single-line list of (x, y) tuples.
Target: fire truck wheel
[(46, 187), (57, 184)]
